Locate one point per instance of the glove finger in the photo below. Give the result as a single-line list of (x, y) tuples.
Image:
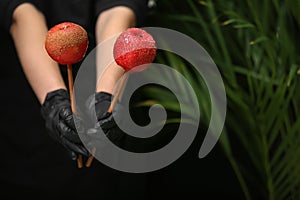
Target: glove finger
[(75, 147), (101, 103), (66, 115), (68, 133), (72, 155), (108, 122)]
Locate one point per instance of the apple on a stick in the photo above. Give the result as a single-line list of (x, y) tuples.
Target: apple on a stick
[(67, 43), (132, 50)]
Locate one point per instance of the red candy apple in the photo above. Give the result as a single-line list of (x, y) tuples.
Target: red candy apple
[(66, 43), (134, 47)]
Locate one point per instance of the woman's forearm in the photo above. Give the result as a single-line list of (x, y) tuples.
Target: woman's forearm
[(110, 23), (28, 31)]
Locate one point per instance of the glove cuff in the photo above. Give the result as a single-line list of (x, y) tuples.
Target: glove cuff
[(60, 95), (102, 96), (102, 103)]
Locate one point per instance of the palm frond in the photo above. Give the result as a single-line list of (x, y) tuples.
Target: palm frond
[(256, 48)]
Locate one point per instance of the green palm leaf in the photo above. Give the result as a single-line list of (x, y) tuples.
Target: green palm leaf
[(256, 47)]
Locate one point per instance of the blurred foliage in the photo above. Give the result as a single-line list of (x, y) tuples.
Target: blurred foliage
[(255, 44)]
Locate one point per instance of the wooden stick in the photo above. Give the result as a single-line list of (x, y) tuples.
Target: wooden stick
[(79, 161), (118, 93), (91, 157), (120, 88), (71, 87)]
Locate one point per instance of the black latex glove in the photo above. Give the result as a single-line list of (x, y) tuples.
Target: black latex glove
[(60, 122), (100, 103)]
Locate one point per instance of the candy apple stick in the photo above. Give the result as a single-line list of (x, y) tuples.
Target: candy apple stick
[(134, 47), (66, 43), (71, 87), (120, 88)]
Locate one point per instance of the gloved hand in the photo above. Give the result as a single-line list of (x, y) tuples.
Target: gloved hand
[(60, 122), (100, 103)]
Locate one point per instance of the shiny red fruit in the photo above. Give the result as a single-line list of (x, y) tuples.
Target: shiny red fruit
[(134, 47), (66, 43)]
